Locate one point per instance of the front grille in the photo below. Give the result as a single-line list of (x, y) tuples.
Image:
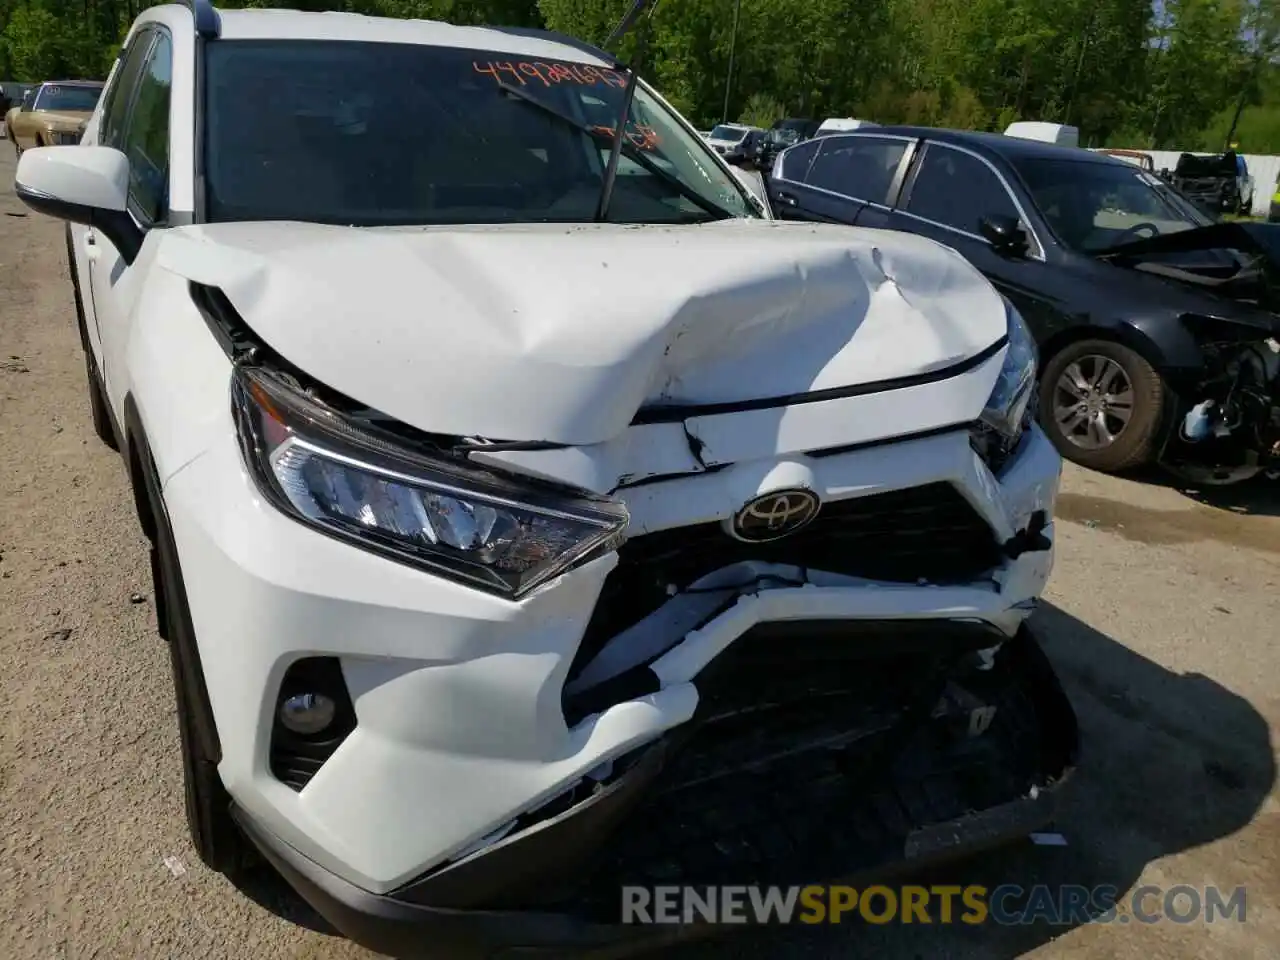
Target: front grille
[(922, 533), (66, 139)]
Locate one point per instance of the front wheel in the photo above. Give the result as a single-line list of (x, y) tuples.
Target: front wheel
[(1101, 404), (217, 840)]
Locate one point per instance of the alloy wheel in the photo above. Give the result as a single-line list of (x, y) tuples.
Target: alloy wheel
[(1093, 402)]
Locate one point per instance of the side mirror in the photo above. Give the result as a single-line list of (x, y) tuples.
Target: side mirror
[(1005, 234), (85, 185)]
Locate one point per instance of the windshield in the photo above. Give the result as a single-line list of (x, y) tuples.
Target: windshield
[(784, 135), (59, 96), (1092, 206), (727, 131), (373, 134)]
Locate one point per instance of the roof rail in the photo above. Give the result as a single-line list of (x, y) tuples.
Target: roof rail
[(208, 23)]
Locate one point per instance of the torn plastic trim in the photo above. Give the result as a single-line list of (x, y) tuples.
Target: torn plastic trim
[(631, 482), (1030, 539), (557, 861), (675, 642)]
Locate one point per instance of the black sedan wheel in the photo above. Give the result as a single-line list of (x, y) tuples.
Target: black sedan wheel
[(1101, 405)]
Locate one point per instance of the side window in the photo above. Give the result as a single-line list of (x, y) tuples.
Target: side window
[(859, 167), (115, 108), (146, 137), (796, 160), (957, 190), (29, 99)]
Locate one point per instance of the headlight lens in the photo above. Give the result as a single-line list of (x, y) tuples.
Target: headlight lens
[(1009, 398), (1011, 407), (489, 531)]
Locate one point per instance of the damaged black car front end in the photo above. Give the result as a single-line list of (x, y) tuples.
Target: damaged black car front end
[(1212, 182), (1223, 423)]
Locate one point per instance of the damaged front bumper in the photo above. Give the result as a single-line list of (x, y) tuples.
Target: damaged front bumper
[(820, 751), (474, 725)]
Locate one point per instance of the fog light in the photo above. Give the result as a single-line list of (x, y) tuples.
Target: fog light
[(307, 714)]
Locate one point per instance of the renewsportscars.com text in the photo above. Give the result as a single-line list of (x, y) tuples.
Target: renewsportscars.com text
[(1007, 904)]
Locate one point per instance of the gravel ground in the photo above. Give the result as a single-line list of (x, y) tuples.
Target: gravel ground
[(1162, 622)]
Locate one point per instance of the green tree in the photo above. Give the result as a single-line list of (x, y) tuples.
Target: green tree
[(1179, 73)]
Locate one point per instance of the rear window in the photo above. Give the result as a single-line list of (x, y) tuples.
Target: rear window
[(372, 134), (61, 96)]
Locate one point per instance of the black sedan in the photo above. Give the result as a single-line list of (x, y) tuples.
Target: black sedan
[(745, 152), (774, 142), (1157, 327)]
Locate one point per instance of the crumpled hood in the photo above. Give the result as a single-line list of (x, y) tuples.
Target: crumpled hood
[(562, 333), (1254, 290)]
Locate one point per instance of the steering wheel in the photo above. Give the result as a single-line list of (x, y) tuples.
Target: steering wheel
[(1126, 238)]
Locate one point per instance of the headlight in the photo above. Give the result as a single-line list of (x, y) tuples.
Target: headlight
[(492, 532), (1011, 407), (1009, 398)]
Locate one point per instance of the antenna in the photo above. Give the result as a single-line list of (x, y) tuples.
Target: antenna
[(629, 20)]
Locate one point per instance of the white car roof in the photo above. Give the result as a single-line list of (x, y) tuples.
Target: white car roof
[(302, 25)]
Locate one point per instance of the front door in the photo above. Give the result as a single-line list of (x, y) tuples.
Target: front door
[(135, 120)]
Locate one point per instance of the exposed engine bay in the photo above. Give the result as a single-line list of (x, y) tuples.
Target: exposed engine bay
[(1232, 430)]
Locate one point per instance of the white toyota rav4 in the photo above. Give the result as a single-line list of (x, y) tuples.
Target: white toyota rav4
[(532, 514)]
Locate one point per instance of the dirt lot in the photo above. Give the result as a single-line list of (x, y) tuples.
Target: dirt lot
[(1163, 620)]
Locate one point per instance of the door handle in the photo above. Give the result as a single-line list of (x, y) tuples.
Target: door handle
[(90, 245), (788, 199)]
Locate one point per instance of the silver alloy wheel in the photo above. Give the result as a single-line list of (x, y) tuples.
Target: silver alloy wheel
[(1093, 402)]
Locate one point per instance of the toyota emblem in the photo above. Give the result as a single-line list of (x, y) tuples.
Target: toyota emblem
[(774, 515)]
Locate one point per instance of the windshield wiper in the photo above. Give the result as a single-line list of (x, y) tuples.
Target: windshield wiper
[(633, 153), (615, 148), (628, 95)]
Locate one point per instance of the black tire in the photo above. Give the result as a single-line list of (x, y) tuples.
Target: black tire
[(217, 840), (1134, 444)]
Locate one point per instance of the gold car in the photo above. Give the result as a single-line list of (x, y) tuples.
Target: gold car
[(51, 114)]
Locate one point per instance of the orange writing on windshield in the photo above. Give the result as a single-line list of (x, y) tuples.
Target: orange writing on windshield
[(549, 74), (644, 137)]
